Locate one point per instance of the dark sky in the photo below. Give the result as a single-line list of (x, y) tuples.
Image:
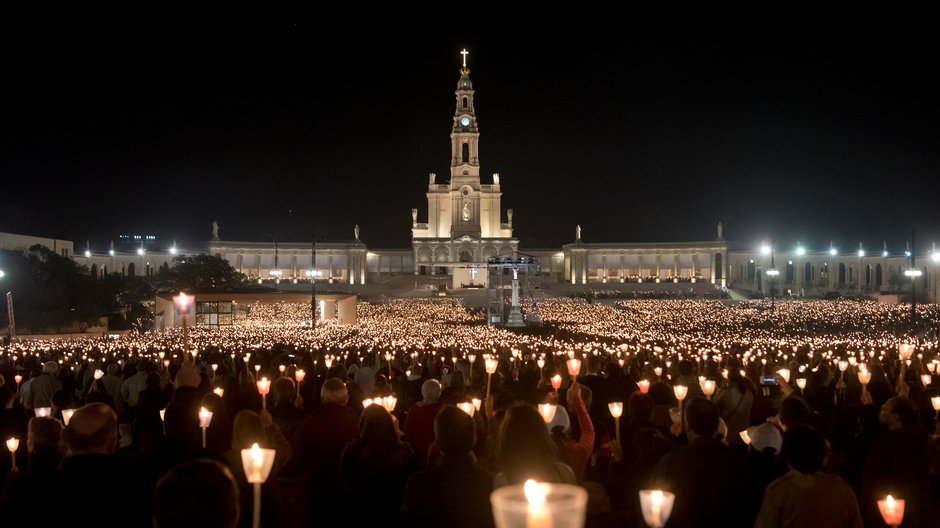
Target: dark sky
[(647, 130)]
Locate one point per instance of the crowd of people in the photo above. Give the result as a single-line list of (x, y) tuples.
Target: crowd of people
[(804, 415)]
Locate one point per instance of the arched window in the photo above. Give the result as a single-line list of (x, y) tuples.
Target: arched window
[(466, 153), (878, 274), (808, 272), (841, 273), (789, 273), (130, 269), (751, 270), (94, 270), (718, 267), (465, 102)]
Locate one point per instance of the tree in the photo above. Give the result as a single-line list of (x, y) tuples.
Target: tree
[(202, 273), (51, 291)]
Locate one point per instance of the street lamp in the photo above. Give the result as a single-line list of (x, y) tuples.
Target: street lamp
[(773, 271)]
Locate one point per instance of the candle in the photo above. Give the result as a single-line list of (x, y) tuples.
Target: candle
[(658, 371), (264, 386), (644, 385), (12, 444), (547, 411), (574, 367), (935, 401), (43, 411), (801, 383), (616, 410), (925, 379), (864, 377), (681, 392), (466, 407), (281, 368), (785, 374), (745, 436), (556, 382), (477, 402), (537, 515), (67, 415), (99, 374), (299, 375), (905, 350), (892, 510), (219, 391), (656, 506), (708, 387)]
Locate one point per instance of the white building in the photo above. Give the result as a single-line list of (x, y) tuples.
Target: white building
[(464, 224)]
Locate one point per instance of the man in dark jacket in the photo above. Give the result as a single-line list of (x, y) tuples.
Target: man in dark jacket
[(316, 449), (455, 493), (713, 485)]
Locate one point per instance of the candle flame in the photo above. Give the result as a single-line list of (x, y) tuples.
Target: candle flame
[(534, 493), (657, 497)]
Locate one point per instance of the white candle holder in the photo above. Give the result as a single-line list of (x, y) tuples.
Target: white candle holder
[(257, 463), (656, 506), (544, 506), (67, 415)]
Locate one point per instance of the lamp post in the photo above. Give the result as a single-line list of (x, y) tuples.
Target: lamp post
[(913, 273), (772, 273)]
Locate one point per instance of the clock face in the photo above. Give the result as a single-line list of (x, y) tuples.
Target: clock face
[(465, 121)]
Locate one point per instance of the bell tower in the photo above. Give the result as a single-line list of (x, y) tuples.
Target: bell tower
[(465, 136)]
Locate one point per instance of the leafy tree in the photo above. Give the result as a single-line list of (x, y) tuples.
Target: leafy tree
[(201, 273), (51, 291)]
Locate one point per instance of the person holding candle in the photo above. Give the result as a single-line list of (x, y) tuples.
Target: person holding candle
[(806, 496), (316, 449), (41, 388), (713, 485), (375, 468), (27, 489), (734, 402), (898, 464), (454, 492), (526, 451), (251, 428), (419, 425), (286, 414), (92, 471), (578, 450)]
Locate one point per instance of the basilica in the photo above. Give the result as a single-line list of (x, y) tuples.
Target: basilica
[(464, 228)]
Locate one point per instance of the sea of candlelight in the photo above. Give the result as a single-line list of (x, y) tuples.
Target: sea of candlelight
[(646, 334)]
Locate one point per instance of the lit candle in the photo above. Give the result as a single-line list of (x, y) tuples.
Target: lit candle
[(299, 375), (205, 418), (12, 444), (681, 392), (43, 411), (644, 385), (892, 510), (556, 382), (616, 410), (264, 386), (708, 387), (785, 374), (656, 506), (466, 407), (476, 403), (574, 367), (925, 379), (219, 391), (547, 411), (67, 415), (537, 515)]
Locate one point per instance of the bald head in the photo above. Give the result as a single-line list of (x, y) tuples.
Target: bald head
[(92, 430)]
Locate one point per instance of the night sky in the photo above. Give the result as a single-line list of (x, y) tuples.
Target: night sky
[(647, 130)]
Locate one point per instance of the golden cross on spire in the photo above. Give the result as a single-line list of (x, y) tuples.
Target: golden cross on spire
[(464, 52)]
